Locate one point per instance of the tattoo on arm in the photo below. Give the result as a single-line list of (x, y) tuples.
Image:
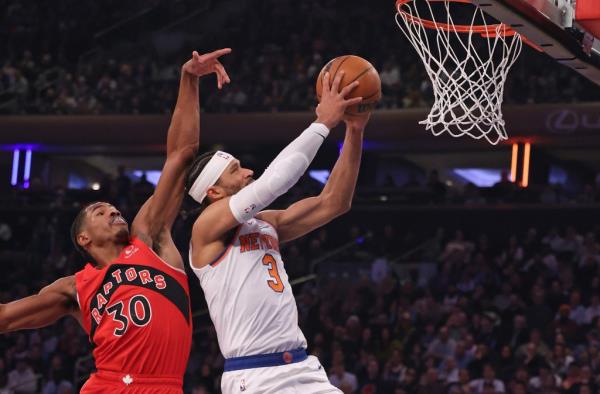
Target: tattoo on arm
[(154, 244)]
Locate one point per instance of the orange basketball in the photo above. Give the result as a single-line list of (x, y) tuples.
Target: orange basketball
[(355, 68)]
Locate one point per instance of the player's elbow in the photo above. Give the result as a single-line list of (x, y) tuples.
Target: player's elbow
[(189, 152), (336, 206), (185, 154), (344, 207)]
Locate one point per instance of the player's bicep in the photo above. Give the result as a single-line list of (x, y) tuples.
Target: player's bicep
[(165, 247), (162, 243), (40, 310), (214, 222), (210, 231)]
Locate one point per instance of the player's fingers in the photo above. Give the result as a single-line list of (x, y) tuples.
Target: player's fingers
[(217, 68), (219, 52), (352, 101), (326, 86), (212, 56), (219, 80), (196, 55), (221, 70), (348, 88), (335, 87), (222, 78)]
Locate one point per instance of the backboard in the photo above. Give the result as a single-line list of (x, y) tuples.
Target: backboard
[(566, 30)]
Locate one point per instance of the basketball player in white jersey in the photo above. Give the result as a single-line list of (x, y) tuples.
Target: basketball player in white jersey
[(234, 251)]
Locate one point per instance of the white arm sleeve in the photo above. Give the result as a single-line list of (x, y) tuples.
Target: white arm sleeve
[(280, 175)]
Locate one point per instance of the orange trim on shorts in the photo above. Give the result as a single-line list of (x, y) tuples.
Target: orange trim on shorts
[(220, 258)]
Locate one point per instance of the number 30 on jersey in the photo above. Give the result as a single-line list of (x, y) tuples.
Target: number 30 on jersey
[(137, 312)]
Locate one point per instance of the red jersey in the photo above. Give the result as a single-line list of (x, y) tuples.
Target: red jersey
[(137, 314)]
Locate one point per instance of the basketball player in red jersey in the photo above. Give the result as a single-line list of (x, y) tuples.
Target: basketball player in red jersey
[(133, 299)]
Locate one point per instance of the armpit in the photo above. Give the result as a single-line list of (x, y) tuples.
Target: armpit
[(71, 293)]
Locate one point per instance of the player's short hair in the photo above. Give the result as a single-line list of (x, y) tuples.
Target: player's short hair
[(76, 228), (196, 168)]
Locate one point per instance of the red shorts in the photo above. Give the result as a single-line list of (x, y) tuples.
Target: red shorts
[(112, 382)]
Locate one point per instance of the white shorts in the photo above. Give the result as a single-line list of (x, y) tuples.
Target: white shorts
[(305, 377)]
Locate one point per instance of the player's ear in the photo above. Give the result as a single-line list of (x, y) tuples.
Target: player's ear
[(83, 239), (215, 193)]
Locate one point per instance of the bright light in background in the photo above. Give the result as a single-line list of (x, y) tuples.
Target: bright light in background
[(27, 172), (152, 176), (319, 175), (513, 162), (15, 167), (95, 186), (526, 159), (482, 177)]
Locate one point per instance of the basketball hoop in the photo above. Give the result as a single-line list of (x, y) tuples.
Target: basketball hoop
[(467, 64)]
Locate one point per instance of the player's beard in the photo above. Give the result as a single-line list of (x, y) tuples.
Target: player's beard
[(122, 236), (235, 189)]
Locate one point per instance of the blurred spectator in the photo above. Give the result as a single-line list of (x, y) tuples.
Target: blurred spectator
[(538, 314), (430, 384), (22, 379), (488, 381), (343, 379), (142, 190), (122, 186), (443, 346), (592, 311)]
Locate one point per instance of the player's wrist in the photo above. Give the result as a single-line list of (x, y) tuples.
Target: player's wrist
[(188, 74), (327, 122), (355, 132), (321, 128)]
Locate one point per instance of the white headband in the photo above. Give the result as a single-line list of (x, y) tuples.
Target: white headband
[(210, 175)]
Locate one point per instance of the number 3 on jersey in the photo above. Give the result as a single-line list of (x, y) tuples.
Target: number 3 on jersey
[(140, 313), (275, 284)]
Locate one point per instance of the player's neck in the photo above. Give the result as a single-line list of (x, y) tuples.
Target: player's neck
[(107, 253)]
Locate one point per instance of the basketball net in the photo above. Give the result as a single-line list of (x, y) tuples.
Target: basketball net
[(467, 65)]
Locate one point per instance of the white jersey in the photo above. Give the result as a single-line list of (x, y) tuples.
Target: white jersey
[(249, 297)]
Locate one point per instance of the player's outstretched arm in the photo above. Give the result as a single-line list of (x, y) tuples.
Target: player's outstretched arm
[(154, 220), (283, 172), (335, 199), (50, 304)]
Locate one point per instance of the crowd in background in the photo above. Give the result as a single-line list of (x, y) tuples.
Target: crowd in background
[(464, 312), (417, 189), (42, 70)]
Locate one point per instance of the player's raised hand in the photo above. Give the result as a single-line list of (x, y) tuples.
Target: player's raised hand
[(357, 122), (208, 63), (330, 110)]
